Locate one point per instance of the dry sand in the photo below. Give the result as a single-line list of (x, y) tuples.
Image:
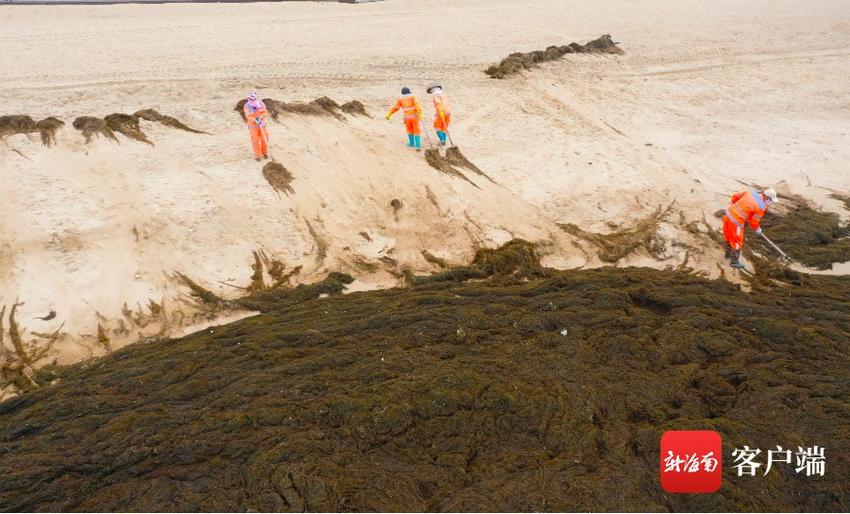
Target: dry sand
[(708, 97)]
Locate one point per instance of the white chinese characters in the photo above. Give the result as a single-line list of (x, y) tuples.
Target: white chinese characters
[(811, 460)]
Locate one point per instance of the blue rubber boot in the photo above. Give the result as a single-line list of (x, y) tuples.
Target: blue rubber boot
[(417, 142), (411, 140), (442, 136)]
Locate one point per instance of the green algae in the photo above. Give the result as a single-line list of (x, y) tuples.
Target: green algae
[(527, 389)]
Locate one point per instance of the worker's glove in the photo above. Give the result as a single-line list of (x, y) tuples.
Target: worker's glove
[(758, 231), (388, 116)]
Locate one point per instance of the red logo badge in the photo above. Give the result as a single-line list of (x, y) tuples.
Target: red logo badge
[(691, 461)]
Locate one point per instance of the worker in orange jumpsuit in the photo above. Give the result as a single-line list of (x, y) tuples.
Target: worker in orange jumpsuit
[(746, 207), (412, 111), (442, 113), (256, 116)]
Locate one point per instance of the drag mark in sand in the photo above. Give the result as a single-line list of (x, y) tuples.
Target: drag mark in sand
[(163, 119)]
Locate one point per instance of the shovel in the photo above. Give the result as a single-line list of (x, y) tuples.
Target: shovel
[(783, 254), (266, 141), (427, 136), (449, 134)]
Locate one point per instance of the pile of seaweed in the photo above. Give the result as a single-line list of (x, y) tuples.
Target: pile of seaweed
[(24, 124), (355, 107), (443, 165), (452, 164), (91, 126), (278, 177), (519, 61), (810, 236), (526, 389), (127, 124), (322, 106)]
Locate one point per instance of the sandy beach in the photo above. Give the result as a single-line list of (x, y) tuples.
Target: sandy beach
[(708, 98)]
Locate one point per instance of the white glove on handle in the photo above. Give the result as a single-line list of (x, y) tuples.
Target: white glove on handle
[(758, 231)]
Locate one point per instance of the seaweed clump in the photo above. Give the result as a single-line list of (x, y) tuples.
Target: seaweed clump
[(355, 107), (843, 199), (91, 126), (443, 165), (812, 237), (276, 269), (515, 260), (456, 158), (271, 299), (47, 129), (18, 365), (544, 394), (278, 177), (616, 245), (128, 125), (518, 62), (322, 106), (23, 124), (16, 124)]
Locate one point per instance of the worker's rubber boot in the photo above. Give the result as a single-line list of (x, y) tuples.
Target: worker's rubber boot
[(734, 261), (728, 249), (417, 142), (442, 136), (411, 140)]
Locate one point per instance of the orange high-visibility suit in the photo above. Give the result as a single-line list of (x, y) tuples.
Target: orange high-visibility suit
[(444, 113), (256, 116), (746, 207), (408, 105)]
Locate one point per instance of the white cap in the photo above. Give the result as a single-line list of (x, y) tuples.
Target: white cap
[(771, 194)]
